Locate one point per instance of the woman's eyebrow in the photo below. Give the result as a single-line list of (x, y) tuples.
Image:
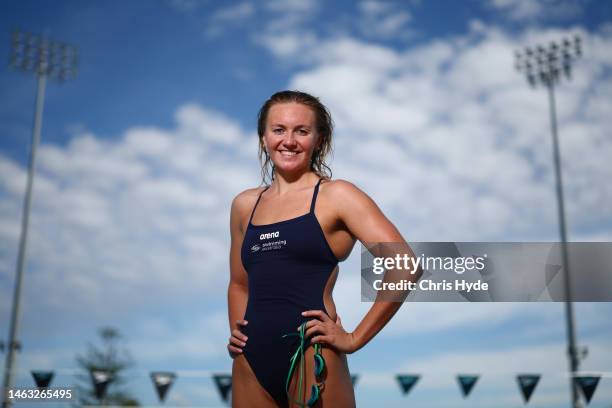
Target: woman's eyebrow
[(295, 126)]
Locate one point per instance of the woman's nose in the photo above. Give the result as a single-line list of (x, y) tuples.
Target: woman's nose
[(290, 139)]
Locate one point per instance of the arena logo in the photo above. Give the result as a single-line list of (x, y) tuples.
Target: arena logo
[(255, 248), (268, 235)]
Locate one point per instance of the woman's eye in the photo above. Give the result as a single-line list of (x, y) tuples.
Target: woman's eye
[(277, 131), (303, 132)]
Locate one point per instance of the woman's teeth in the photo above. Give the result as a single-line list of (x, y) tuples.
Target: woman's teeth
[(286, 153)]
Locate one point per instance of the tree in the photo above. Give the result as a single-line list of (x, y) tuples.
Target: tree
[(110, 358)]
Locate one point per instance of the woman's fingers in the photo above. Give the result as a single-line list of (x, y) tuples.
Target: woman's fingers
[(318, 314), (233, 350), (320, 323), (238, 334), (327, 328), (344, 342), (238, 338), (316, 327), (322, 339), (237, 341)]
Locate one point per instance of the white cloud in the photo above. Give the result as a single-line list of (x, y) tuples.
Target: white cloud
[(518, 8), (384, 20), (303, 7), (231, 16), (543, 9), (235, 13), (374, 6), (287, 32), (204, 337), (286, 44)]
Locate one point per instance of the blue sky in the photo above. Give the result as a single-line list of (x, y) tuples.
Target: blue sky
[(143, 152)]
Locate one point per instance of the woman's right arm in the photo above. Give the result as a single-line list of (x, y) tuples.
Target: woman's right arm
[(237, 292)]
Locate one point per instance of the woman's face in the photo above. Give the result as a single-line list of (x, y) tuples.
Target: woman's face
[(290, 136)]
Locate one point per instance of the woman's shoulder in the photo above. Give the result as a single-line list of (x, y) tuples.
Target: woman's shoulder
[(347, 198), (344, 192), (246, 199), (340, 187)]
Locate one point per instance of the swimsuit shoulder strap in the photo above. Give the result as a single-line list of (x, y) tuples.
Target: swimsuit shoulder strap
[(314, 196), (257, 202)]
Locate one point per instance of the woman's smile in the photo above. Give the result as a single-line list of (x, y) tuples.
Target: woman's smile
[(288, 153)]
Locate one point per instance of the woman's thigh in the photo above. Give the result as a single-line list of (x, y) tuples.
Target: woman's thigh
[(338, 390), (246, 390)]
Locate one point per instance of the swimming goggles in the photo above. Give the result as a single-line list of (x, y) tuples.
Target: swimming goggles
[(318, 370)]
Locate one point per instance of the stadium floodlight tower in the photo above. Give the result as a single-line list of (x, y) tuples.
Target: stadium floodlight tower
[(46, 59), (546, 66)]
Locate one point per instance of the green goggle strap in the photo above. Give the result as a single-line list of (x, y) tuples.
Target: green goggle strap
[(300, 353)]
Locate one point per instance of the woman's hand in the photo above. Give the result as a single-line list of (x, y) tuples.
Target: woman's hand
[(237, 341), (329, 332)]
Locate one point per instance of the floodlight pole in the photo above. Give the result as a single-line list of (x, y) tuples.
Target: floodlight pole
[(569, 310), (544, 66), (56, 60)]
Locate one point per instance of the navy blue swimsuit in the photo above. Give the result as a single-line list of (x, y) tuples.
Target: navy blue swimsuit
[(288, 264)]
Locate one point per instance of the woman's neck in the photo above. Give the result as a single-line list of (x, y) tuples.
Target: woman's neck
[(287, 183)]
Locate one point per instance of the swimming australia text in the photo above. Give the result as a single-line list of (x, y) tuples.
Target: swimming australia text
[(268, 235)]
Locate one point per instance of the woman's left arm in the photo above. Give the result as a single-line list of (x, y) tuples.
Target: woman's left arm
[(366, 222)]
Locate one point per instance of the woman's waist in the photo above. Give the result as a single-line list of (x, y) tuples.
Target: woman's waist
[(275, 309), (277, 318), (266, 322)]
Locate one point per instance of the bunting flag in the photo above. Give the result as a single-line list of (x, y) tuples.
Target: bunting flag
[(407, 381), (588, 385), (527, 384), (162, 380), (224, 385), (467, 382), (42, 378), (100, 380)]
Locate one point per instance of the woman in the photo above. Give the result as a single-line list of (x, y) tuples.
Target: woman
[(286, 241)]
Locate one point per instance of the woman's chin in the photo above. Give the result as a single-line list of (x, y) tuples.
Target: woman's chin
[(290, 167)]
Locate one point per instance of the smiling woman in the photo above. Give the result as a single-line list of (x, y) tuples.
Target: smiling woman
[(283, 267)]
